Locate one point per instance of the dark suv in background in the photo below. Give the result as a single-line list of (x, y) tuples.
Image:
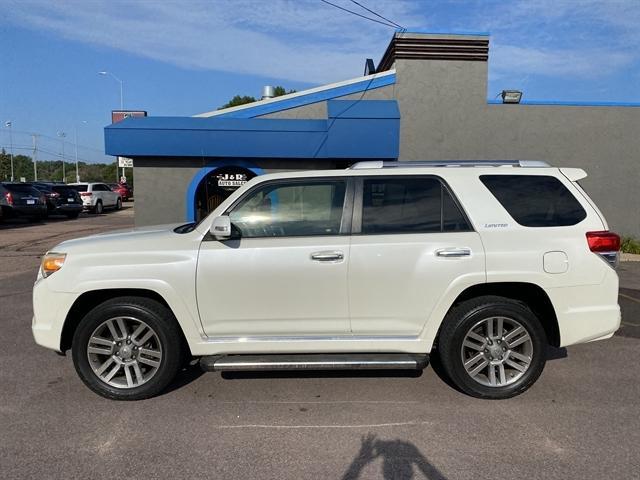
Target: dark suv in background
[(22, 200), (61, 199)]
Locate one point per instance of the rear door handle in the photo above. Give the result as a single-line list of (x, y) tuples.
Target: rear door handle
[(327, 256), (453, 252)]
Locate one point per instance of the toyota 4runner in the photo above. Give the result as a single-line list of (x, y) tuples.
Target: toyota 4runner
[(482, 264)]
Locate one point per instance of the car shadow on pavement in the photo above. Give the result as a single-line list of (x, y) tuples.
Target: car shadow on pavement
[(188, 374), (552, 353), (399, 460), (256, 374)]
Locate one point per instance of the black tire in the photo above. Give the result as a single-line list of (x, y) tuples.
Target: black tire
[(73, 216), (158, 318), (119, 204), (98, 209), (462, 318)]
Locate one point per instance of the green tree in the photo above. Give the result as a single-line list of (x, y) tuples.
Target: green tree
[(238, 100), (51, 170), (242, 100)]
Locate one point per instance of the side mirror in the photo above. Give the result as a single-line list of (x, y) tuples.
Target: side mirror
[(221, 228)]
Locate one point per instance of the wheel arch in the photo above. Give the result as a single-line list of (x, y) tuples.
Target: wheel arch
[(92, 298), (531, 294)]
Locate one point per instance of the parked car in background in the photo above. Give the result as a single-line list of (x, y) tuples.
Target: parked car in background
[(22, 200), (97, 196), (125, 191), (61, 199)]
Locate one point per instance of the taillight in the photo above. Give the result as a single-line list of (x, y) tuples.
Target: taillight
[(604, 241), (9, 198), (85, 194), (54, 195), (606, 244)]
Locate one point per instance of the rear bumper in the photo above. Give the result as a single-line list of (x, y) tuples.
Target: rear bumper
[(26, 211), (69, 208), (589, 312)]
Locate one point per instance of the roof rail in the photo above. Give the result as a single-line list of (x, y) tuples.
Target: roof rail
[(449, 163)]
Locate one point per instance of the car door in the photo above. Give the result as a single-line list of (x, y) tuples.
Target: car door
[(284, 271), (110, 196), (411, 242)]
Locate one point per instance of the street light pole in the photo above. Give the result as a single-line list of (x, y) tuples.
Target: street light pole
[(8, 124), (121, 86), (64, 175)]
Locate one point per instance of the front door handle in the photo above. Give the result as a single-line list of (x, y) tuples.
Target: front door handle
[(453, 252), (327, 256)]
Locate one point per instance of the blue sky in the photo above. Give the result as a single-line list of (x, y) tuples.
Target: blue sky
[(186, 57)]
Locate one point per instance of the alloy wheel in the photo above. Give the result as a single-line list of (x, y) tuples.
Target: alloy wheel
[(497, 351), (124, 352)]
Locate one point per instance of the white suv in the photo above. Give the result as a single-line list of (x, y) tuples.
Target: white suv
[(379, 266), (97, 196)]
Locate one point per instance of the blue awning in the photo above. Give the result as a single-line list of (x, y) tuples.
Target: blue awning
[(353, 129)]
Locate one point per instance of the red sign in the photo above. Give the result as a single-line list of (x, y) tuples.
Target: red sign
[(119, 115)]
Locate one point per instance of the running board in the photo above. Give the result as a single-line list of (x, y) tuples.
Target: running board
[(315, 361)]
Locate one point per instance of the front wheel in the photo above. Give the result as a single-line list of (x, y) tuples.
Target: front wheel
[(127, 348), (492, 347)]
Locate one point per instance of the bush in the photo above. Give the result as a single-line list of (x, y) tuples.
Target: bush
[(630, 245)]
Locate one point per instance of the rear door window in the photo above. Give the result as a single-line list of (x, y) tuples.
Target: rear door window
[(535, 200), (392, 205)]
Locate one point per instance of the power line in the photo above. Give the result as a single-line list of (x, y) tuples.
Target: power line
[(57, 139), (358, 14), (378, 15)]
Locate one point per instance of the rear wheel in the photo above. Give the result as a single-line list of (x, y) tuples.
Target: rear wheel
[(128, 348), (98, 209), (119, 204), (492, 347)]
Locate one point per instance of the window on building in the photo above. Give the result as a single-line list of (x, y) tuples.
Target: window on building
[(535, 200), (409, 205), (291, 209)]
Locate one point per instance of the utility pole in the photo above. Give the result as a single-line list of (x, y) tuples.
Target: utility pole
[(35, 156), (76, 135), (64, 175), (8, 124)]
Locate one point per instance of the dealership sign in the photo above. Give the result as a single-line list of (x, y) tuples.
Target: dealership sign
[(233, 180), (119, 115), (124, 162)]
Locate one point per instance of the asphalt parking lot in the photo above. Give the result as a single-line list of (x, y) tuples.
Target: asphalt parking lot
[(581, 420)]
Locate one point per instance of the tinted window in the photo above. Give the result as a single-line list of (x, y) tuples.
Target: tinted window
[(535, 200), (22, 188), (409, 205), (79, 188), (291, 209), (63, 190)]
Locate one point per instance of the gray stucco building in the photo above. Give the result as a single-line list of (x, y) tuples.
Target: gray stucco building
[(426, 100)]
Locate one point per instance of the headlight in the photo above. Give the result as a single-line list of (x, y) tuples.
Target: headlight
[(52, 262)]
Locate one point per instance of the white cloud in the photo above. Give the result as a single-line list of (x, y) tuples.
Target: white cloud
[(299, 40), (556, 63)]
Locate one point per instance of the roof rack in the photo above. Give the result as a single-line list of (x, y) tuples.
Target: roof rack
[(449, 163)]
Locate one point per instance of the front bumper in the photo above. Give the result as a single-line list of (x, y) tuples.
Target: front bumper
[(50, 310)]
